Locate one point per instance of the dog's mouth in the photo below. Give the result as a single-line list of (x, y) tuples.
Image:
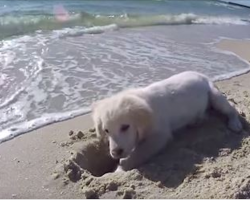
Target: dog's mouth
[(124, 155)]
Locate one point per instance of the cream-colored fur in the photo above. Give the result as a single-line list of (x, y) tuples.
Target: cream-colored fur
[(139, 122)]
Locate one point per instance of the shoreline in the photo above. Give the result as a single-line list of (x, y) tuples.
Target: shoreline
[(236, 48), (27, 162)]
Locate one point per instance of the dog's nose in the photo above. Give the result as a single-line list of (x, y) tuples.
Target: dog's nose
[(117, 152)]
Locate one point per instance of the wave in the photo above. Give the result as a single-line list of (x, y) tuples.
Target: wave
[(46, 119), (16, 25)]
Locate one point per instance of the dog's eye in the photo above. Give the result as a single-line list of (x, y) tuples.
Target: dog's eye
[(124, 127), (106, 130)]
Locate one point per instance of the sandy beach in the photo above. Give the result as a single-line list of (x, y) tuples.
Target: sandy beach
[(212, 162)]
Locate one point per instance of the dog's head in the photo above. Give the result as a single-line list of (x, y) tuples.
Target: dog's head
[(125, 119)]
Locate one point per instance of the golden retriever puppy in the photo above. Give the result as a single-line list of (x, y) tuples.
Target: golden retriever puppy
[(139, 122)]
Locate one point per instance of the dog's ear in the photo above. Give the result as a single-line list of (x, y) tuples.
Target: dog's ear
[(94, 106), (98, 127), (96, 119), (141, 115)]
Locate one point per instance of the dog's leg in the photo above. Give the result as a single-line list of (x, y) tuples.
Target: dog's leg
[(145, 150), (220, 103)]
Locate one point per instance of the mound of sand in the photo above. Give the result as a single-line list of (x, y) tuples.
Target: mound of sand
[(206, 161)]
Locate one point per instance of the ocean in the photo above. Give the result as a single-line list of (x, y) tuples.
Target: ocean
[(57, 57)]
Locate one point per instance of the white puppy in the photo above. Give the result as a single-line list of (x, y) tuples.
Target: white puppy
[(139, 122)]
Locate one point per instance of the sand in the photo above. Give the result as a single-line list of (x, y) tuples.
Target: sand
[(66, 160)]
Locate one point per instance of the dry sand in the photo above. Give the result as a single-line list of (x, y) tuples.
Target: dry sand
[(206, 161)]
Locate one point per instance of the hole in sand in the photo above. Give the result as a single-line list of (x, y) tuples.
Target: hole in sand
[(94, 157)]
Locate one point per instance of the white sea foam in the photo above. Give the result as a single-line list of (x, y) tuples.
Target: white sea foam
[(79, 31), (221, 20), (46, 119)]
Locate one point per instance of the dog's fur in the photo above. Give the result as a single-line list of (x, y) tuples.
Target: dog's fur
[(150, 115)]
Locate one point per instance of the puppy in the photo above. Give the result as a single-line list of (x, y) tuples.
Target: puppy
[(139, 122)]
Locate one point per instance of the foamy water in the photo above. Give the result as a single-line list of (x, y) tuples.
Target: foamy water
[(53, 74)]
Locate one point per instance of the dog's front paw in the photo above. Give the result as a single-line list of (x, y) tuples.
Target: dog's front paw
[(126, 164), (119, 169)]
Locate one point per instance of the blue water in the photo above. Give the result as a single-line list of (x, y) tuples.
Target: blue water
[(108, 7), (57, 57), (23, 16)]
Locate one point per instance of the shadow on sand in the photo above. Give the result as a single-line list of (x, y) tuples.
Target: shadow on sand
[(192, 146)]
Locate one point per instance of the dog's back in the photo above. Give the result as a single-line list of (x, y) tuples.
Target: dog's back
[(178, 100)]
